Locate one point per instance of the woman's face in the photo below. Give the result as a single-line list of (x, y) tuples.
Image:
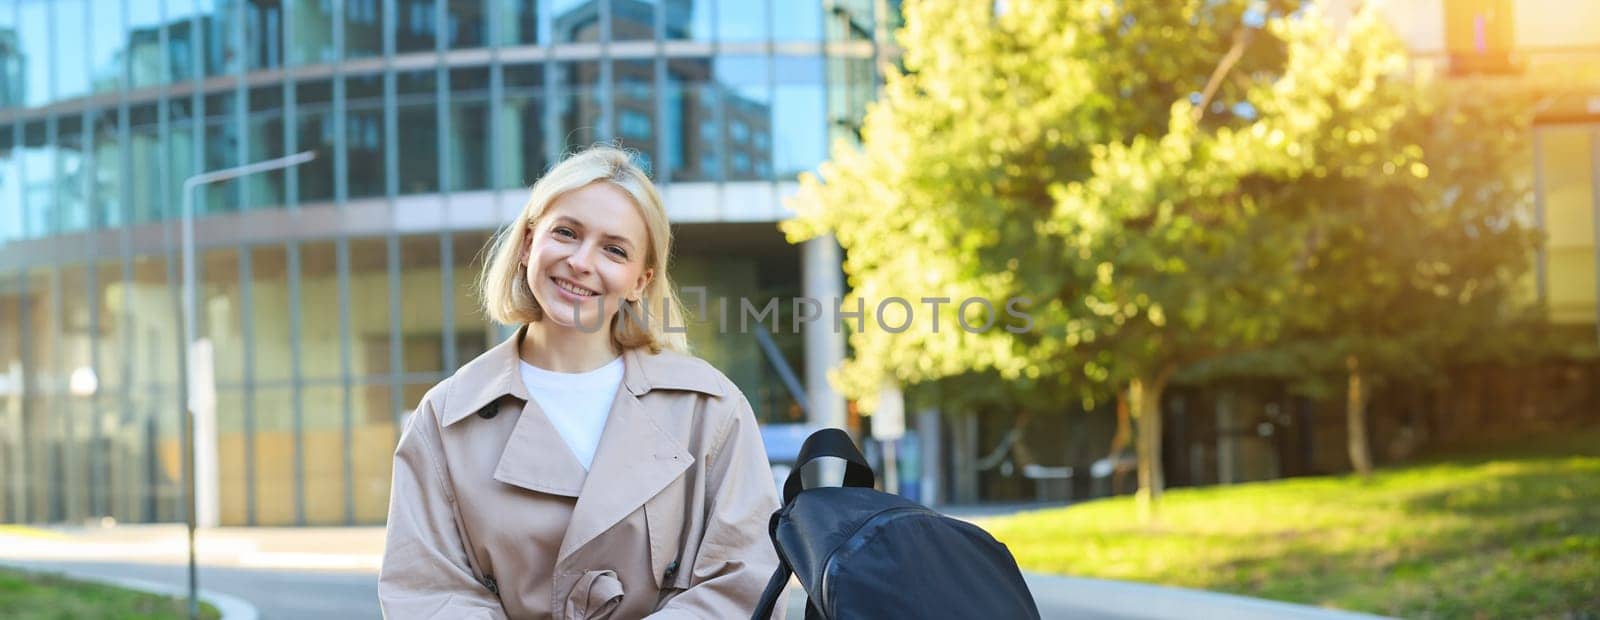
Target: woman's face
[(587, 253)]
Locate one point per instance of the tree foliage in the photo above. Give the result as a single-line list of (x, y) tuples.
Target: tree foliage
[(1055, 152)]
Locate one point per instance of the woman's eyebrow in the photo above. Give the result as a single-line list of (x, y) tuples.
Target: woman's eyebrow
[(609, 237)]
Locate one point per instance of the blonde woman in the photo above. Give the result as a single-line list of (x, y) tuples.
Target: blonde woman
[(587, 467)]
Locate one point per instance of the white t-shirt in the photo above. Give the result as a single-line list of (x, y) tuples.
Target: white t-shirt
[(577, 403)]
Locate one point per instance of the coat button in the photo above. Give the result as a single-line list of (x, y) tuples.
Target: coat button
[(489, 411), (672, 569), (488, 582)]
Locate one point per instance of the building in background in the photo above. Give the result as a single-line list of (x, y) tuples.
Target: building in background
[(337, 292), (1550, 49)]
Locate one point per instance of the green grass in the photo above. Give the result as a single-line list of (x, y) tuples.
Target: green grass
[(35, 596), (1467, 534)]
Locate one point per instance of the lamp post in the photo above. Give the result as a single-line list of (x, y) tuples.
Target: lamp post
[(203, 393)]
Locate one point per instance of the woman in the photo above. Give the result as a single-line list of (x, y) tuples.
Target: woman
[(586, 467)]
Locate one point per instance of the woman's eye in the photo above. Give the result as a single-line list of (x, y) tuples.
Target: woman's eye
[(564, 231), (618, 251)]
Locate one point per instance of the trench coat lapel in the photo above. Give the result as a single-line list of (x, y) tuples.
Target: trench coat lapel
[(636, 459), (537, 458), (534, 456)]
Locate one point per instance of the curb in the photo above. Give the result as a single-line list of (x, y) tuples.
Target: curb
[(228, 606), (1073, 596)]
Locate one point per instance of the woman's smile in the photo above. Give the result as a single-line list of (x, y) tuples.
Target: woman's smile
[(571, 289)]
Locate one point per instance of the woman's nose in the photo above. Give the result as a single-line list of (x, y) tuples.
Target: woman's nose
[(579, 260)]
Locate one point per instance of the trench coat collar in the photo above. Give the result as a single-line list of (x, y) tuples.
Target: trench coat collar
[(635, 460), (496, 374)]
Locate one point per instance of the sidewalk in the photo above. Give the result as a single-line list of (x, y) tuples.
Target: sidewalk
[(250, 561)]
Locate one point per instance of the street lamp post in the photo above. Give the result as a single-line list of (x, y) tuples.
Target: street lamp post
[(189, 318)]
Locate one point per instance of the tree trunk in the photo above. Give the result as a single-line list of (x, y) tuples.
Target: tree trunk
[(1144, 399), (1355, 410), (1120, 441)]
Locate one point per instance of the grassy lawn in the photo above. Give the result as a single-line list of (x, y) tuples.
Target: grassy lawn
[(1513, 532), (32, 596)]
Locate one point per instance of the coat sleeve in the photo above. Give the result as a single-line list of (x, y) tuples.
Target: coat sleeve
[(735, 557), (426, 572)]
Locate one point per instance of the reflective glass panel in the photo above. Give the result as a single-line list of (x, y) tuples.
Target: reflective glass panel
[(264, 28), (799, 124), (635, 108), (575, 21), (363, 28), (688, 20), (747, 115), (521, 136), (416, 27), (633, 20), (468, 146), (465, 24), (517, 22), (417, 106), (314, 106), (311, 33), (578, 109), (364, 135), (693, 135)]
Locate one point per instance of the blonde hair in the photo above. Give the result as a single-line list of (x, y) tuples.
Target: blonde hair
[(503, 284)]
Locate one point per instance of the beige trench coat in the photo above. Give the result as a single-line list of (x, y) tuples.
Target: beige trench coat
[(492, 516)]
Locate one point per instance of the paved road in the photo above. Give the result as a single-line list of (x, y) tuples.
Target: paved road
[(278, 594)]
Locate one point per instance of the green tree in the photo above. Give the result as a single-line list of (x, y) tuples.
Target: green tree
[(1055, 152)]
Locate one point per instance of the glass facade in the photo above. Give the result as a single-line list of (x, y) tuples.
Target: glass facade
[(337, 292)]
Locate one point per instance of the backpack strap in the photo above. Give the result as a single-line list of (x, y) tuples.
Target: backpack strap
[(774, 590), (769, 596), (835, 443)]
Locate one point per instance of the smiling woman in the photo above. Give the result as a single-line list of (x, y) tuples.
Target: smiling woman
[(581, 472)]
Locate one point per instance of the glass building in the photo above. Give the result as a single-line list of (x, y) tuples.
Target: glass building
[(336, 292)]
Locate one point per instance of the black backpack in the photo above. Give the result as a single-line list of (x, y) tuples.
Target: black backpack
[(861, 553)]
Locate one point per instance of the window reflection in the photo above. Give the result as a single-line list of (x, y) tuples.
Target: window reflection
[(37, 160), (687, 20), (72, 208), (742, 21), (71, 71), (145, 154), (263, 26), (221, 151), (635, 107), (747, 115), (415, 28), (106, 150), (799, 123), (850, 20), (633, 20), (107, 41), (312, 42), (364, 135), (33, 43), (691, 123), (464, 24), (522, 136), (363, 28), (417, 106), (517, 23), (11, 62), (184, 153), (10, 187), (578, 107), (222, 47), (575, 21), (314, 132), (265, 126), (797, 21), (468, 154)]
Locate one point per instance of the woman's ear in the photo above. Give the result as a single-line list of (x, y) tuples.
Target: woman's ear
[(643, 283)]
